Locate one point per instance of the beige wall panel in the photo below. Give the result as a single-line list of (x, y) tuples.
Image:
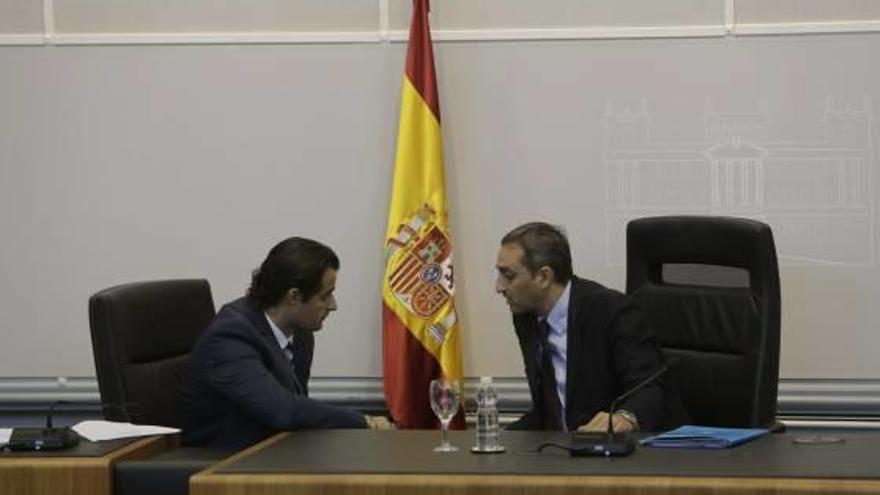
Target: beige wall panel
[(776, 11), (137, 16), (529, 14), (21, 16)]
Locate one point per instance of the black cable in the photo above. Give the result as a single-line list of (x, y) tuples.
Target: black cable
[(554, 445)]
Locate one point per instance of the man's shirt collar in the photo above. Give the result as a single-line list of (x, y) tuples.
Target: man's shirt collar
[(558, 316), (283, 340)]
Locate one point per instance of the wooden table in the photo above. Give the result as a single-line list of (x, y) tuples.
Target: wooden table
[(58, 475), (316, 472)]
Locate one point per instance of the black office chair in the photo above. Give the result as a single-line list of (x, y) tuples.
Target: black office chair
[(142, 334), (710, 288)]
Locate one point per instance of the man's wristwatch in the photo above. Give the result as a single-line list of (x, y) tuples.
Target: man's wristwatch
[(633, 420)]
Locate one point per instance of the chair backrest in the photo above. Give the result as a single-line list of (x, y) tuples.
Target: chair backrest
[(142, 334), (721, 334)]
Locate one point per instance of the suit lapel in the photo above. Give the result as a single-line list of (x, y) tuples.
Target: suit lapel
[(527, 332), (301, 349), (258, 319)]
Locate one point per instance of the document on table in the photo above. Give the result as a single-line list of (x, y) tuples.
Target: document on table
[(111, 430)]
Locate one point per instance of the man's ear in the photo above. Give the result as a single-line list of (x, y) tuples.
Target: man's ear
[(295, 295), (546, 276)]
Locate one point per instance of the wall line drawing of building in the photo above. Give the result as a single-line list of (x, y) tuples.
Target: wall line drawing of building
[(817, 195)]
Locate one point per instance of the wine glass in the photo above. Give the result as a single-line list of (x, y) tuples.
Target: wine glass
[(444, 401)]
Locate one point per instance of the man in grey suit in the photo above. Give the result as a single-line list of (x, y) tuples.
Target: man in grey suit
[(249, 371)]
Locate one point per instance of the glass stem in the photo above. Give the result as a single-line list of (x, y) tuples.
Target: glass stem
[(444, 425)]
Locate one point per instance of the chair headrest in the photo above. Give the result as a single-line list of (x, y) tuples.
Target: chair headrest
[(722, 241)]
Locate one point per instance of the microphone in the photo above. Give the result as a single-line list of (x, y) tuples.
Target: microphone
[(49, 437), (628, 393), (611, 444), (52, 410)]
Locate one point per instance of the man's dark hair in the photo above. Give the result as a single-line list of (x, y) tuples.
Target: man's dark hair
[(543, 244), (294, 263)]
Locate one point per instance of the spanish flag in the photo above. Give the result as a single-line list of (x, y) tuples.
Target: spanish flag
[(420, 326)]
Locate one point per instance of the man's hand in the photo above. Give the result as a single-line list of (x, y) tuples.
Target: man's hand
[(600, 423), (378, 423)]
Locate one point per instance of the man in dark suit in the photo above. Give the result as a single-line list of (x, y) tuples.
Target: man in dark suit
[(248, 374), (583, 344)]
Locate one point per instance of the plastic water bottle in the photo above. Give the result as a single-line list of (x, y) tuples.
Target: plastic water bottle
[(487, 417)]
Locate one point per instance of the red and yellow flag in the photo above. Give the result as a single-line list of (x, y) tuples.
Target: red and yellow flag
[(420, 326)]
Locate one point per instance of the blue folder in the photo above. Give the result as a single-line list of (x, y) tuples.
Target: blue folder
[(703, 437)]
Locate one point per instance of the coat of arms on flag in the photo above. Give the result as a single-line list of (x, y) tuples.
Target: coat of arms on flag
[(421, 276)]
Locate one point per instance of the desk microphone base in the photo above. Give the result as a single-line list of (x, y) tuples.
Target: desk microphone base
[(42, 439), (601, 445)]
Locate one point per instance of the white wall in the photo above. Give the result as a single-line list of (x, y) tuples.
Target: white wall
[(120, 163)]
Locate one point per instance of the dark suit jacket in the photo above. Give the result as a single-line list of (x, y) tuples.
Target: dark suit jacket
[(240, 388), (610, 350)]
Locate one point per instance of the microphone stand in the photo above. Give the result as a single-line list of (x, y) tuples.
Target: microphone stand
[(611, 444)]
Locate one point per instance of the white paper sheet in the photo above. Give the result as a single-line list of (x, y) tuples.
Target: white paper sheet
[(109, 430), (5, 433)]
